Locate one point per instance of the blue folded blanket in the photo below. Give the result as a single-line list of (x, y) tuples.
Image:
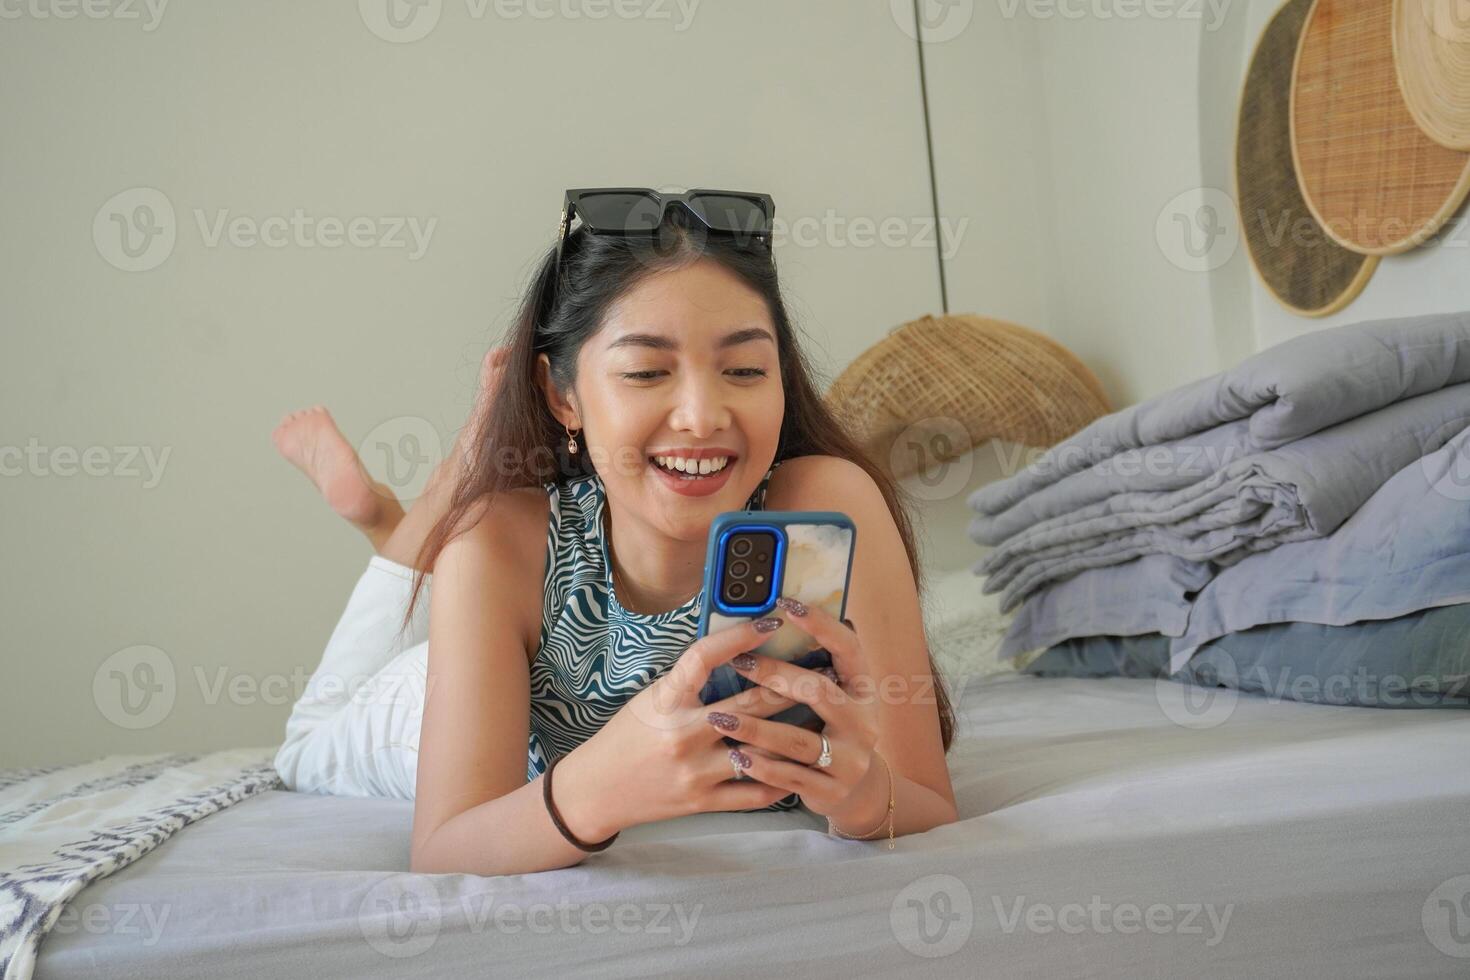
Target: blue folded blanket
[(1421, 660), (1281, 448)]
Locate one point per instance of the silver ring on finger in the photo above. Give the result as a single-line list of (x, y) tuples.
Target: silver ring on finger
[(825, 759)]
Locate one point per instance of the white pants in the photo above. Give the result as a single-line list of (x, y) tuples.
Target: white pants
[(355, 730)]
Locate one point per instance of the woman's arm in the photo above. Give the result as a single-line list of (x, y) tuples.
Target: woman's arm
[(883, 606), (474, 811), (916, 808)]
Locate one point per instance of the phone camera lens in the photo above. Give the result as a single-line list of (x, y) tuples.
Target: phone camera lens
[(736, 590), (739, 569), (740, 547)]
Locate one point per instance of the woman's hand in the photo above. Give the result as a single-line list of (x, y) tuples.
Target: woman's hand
[(659, 757), (851, 723)]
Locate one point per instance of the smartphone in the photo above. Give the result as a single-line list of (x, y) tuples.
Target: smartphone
[(755, 557)]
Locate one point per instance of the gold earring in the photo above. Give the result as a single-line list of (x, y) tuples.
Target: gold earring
[(571, 439)]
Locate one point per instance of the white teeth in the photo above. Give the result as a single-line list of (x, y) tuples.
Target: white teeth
[(694, 467)]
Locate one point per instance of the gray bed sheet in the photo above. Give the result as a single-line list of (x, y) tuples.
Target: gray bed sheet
[(1110, 827)]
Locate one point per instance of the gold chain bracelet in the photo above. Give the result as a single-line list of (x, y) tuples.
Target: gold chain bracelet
[(831, 827)]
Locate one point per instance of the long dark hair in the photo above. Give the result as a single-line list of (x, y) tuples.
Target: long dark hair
[(523, 445)]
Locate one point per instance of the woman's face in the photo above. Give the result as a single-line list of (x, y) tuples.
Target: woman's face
[(684, 370)]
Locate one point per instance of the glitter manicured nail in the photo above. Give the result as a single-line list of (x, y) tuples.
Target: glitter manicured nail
[(743, 661), (768, 623), (723, 721), (740, 758), (791, 605)]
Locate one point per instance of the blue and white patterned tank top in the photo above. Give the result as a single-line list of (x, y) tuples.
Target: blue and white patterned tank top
[(594, 655)]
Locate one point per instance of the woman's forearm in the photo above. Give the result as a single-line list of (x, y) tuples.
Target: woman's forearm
[(514, 833), (916, 807)]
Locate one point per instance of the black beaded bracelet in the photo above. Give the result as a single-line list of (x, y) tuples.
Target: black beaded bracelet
[(556, 817)]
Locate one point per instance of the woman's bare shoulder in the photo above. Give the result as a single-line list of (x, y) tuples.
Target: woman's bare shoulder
[(505, 535), (821, 483), (510, 523)]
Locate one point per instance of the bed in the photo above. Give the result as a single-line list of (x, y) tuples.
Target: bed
[(1110, 827)]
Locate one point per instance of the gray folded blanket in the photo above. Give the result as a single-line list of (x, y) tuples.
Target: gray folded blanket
[(1254, 502), (1283, 447), (1406, 549)]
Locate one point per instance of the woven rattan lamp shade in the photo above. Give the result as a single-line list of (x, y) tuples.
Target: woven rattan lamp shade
[(937, 387)]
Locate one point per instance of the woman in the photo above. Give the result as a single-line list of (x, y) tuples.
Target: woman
[(566, 537)]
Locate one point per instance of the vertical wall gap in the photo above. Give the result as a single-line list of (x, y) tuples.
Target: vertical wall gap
[(929, 152)]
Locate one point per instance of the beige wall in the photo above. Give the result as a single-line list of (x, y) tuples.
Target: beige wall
[(1064, 146), (227, 563), (1081, 148)]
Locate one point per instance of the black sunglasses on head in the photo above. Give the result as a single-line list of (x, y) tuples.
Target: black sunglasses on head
[(640, 211)]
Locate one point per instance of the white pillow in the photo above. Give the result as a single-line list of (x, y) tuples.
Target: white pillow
[(964, 626)]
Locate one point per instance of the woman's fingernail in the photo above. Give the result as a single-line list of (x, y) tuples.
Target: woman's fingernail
[(740, 758), (768, 623), (723, 721), (831, 674), (743, 661), (794, 606)]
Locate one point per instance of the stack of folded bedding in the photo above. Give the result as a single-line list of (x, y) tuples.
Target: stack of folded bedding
[(1324, 482)]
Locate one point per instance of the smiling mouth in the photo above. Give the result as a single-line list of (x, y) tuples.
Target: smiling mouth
[(692, 469)]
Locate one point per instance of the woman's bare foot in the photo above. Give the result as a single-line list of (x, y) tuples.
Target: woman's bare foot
[(311, 442)]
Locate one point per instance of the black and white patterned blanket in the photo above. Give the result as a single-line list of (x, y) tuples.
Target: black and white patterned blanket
[(62, 827)]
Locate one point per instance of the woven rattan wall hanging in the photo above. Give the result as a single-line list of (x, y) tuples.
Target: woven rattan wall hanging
[(1371, 177), (1307, 272), (1431, 53)]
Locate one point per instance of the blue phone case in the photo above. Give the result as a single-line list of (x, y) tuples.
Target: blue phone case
[(812, 563)]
